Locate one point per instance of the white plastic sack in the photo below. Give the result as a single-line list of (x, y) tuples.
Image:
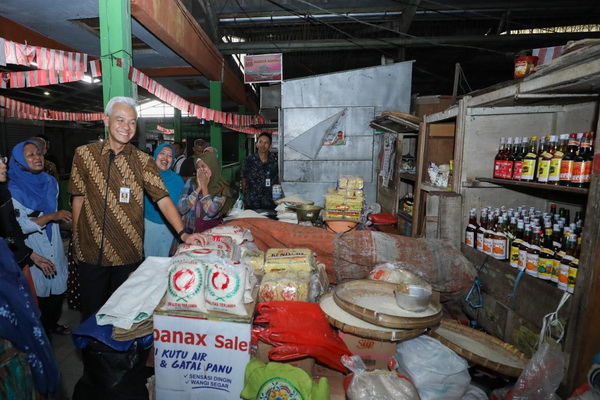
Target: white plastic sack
[(436, 371), (474, 393)]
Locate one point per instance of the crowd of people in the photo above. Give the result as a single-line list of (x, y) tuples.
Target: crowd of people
[(125, 205)]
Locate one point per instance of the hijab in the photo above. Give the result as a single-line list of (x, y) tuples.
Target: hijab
[(217, 185), (38, 191), (173, 182)]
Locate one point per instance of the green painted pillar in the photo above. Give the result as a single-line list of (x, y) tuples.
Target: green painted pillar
[(115, 42), (216, 139), (177, 124), (241, 138)]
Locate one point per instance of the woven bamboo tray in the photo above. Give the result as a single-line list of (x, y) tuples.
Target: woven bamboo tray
[(348, 323), (481, 348), (374, 301)]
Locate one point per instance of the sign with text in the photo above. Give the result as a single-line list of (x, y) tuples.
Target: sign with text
[(199, 358), (263, 68)]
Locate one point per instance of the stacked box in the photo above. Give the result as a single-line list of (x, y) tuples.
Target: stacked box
[(347, 201)]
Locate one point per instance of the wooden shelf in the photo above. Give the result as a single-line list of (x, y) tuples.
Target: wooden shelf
[(405, 216), (534, 185), (407, 176)]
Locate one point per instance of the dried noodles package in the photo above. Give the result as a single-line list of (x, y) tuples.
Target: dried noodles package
[(225, 286), (289, 260), (221, 248), (255, 259), (187, 279), (285, 286)]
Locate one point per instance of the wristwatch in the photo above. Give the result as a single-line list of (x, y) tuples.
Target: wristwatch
[(181, 232)]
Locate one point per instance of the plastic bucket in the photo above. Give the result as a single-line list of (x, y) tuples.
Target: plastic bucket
[(525, 66), (340, 225)]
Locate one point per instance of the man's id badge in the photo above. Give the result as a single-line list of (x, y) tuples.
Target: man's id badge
[(124, 195), (268, 182)]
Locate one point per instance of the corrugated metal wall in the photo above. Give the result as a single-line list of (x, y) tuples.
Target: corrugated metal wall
[(306, 102)]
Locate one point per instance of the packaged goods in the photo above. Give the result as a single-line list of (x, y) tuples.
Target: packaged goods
[(285, 286), (255, 259), (350, 182), (344, 203), (236, 233), (225, 287), (224, 247), (289, 259), (187, 279)]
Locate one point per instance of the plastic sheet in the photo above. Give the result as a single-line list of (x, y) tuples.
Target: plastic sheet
[(436, 371)]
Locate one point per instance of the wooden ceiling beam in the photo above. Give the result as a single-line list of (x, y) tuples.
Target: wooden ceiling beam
[(10, 30), (170, 22)]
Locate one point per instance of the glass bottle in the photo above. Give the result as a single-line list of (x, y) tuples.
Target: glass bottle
[(529, 161), (498, 159), (561, 149), (559, 254), (499, 240), (566, 164), (518, 162), (506, 170), (533, 254), (471, 228), (514, 246), (524, 246), (582, 164), (512, 156), (543, 169), (488, 236), (479, 234), (546, 259), (563, 273), (573, 267)]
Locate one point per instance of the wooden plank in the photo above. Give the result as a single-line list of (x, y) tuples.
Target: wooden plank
[(583, 339), (540, 186)]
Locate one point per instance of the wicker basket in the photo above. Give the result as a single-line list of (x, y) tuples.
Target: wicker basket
[(481, 348)]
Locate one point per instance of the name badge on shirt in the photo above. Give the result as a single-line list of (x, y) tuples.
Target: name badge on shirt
[(268, 182), (124, 195)]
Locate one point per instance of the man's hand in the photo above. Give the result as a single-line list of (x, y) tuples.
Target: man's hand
[(44, 264), (194, 238), (62, 215)]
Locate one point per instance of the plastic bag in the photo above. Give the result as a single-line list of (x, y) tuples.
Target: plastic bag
[(298, 329), (112, 374), (377, 384), (238, 206), (436, 371), (542, 375)]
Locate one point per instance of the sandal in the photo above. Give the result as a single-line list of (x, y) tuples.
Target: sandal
[(61, 330)]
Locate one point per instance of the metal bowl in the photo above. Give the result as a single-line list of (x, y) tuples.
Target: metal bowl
[(307, 212), (412, 297)]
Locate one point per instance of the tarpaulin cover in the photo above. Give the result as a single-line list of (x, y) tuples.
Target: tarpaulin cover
[(354, 254)]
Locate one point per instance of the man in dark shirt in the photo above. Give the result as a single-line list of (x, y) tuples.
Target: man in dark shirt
[(259, 173)]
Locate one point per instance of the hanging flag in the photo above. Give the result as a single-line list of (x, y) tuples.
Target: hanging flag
[(95, 68), (2, 56)]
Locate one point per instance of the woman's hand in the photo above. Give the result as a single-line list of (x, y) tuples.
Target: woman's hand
[(195, 238), (62, 215), (47, 267)]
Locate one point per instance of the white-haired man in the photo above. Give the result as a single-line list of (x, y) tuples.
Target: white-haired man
[(107, 185)]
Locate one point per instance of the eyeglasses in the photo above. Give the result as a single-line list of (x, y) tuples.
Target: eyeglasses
[(3, 159)]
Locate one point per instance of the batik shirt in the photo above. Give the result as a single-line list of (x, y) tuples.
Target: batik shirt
[(260, 178), (110, 231)]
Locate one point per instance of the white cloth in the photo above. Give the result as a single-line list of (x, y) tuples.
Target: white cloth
[(136, 299)]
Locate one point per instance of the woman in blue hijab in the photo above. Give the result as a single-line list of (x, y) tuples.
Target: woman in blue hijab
[(158, 236), (35, 200)]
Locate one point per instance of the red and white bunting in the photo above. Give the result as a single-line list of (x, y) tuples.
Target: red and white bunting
[(95, 68), (17, 109), (2, 56)]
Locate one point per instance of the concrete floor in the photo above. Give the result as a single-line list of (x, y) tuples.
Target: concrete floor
[(67, 355)]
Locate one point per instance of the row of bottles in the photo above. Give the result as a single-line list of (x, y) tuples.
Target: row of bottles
[(559, 160), (544, 244)]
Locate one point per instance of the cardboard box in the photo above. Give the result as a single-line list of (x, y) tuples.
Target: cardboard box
[(262, 353), (201, 355), (442, 130), (427, 105), (375, 353), (335, 380)]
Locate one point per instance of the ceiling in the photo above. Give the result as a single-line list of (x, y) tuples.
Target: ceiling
[(315, 37)]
